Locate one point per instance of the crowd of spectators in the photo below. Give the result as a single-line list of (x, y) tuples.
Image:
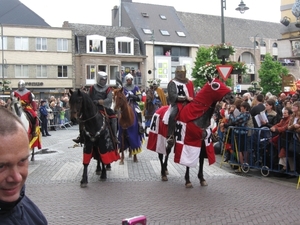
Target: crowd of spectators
[(278, 115)]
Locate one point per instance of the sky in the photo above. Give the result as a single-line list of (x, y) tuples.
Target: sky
[(55, 12)]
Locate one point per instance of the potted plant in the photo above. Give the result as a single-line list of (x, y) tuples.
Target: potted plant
[(238, 67), (223, 50), (208, 69)]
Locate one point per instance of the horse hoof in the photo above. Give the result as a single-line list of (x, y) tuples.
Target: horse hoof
[(203, 183), (98, 172), (164, 178), (167, 172), (121, 163), (83, 185), (103, 178), (189, 185), (108, 168)]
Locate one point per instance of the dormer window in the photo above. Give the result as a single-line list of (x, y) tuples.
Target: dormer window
[(96, 44), (164, 32), (144, 14), (147, 31), (163, 17), (124, 46), (180, 33)]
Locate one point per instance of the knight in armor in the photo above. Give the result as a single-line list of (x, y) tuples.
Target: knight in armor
[(158, 92), (28, 104), (101, 94), (180, 92), (133, 94)]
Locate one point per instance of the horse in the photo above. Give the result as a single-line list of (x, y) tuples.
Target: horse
[(16, 107), (151, 105), (193, 132), (97, 138), (129, 136)]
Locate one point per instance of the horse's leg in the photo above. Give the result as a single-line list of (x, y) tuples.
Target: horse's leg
[(98, 168), (168, 150), (122, 149), (87, 156), (200, 173), (103, 173), (130, 153), (84, 180), (108, 167), (188, 183), (32, 154), (162, 166)]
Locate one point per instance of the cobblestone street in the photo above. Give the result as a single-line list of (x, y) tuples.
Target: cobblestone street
[(136, 189)]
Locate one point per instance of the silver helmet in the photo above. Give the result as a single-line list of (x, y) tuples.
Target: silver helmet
[(101, 78), (21, 85), (128, 76)]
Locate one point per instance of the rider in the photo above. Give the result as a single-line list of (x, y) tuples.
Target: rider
[(28, 103), (133, 94), (158, 92), (101, 94), (180, 92)]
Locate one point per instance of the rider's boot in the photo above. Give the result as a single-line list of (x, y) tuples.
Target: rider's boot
[(79, 139), (114, 127), (170, 136), (141, 129)]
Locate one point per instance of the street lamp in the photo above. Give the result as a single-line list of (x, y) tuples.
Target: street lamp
[(241, 8), (153, 39)]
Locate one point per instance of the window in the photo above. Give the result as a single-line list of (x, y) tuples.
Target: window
[(4, 43), (62, 44), (21, 43), (263, 44), (62, 71), (41, 44), (21, 71), (96, 44), (90, 72), (147, 31), (124, 45), (163, 17), (165, 32), (180, 33), (114, 73), (275, 45), (41, 71)]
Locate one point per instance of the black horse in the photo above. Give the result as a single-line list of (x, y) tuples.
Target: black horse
[(193, 135), (97, 139)]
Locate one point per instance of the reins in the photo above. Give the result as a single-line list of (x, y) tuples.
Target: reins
[(83, 121)]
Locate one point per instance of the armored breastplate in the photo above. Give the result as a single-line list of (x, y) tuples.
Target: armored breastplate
[(99, 92)]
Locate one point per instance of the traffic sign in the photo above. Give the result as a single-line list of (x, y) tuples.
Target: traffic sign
[(224, 71)]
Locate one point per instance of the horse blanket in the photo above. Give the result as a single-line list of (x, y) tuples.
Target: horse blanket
[(188, 140)]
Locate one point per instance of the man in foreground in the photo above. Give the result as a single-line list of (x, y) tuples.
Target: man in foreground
[(15, 206)]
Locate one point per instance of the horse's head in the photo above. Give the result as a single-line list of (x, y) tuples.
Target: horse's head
[(119, 98), (75, 101), (16, 106), (214, 91)]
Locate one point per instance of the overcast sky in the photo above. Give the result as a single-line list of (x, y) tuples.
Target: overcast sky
[(55, 12)]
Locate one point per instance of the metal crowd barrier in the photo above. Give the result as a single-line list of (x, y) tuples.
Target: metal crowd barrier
[(261, 151)]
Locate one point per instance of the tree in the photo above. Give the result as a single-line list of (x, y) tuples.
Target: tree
[(270, 75), (205, 55)]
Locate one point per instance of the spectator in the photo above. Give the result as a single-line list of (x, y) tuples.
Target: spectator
[(270, 113), (15, 206), (51, 115), (43, 116), (257, 109)]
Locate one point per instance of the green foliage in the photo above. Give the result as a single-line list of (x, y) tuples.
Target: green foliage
[(203, 57), (270, 74)]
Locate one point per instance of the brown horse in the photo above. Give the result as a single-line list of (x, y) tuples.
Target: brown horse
[(128, 127)]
